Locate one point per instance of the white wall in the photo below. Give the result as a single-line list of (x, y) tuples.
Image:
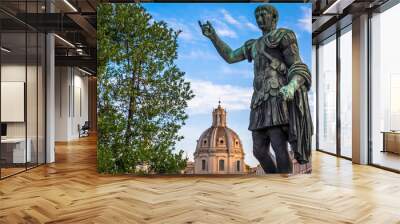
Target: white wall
[(71, 87), (14, 72), (62, 82), (33, 126), (81, 88)]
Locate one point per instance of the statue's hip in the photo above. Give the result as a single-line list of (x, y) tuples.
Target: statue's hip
[(266, 84)]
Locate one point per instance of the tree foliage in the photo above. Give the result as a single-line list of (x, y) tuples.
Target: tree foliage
[(142, 94)]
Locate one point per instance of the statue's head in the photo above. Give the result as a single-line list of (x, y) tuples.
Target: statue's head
[(266, 17)]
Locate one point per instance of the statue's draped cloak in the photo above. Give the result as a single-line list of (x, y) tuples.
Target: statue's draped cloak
[(300, 122), (299, 116)]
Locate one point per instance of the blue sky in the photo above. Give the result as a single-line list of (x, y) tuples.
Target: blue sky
[(213, 79)]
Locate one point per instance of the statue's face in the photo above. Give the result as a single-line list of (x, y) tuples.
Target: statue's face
[(264, 20)]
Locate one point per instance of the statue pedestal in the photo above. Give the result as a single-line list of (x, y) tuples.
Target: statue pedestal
[(297, 168), (301, 168)]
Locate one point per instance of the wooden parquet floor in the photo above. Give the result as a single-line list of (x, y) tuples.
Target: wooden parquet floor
[(71, 191)]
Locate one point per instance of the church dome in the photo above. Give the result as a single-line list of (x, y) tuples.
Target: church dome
[(219, 138), (219, 149)]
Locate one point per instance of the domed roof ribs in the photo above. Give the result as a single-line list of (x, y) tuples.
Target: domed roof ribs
[(213, 140), (229, 143)]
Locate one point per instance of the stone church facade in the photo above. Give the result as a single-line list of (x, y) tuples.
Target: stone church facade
[(219, 149)]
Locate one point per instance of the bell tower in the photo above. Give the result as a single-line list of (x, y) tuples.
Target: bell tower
[(219, 116)]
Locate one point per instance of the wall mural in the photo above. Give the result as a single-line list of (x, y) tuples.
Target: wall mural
[(175, 98)]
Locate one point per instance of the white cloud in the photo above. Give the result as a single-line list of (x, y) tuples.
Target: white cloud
[(229, 19), (305, 21), (251, 26), (151, 21), (224, 32), (240, 23), (195, 54), (229, 70), (221, 25), (207, 95), (187, 29), (226, 24), (223, 29)]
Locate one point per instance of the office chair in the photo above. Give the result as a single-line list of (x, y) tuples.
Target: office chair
[(84, 130)]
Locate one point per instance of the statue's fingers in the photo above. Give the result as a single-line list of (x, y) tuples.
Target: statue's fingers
[(201, 25), (208, 23), (282, 93)]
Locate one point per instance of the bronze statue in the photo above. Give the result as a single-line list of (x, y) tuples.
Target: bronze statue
[(280, 110)]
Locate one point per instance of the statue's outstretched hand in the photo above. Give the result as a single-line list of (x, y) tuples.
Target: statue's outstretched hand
[(287, 92), (207, 29)]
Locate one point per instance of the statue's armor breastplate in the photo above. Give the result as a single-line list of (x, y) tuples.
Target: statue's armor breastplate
[(267, 79)]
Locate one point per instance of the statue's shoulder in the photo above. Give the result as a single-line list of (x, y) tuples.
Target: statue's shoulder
[(248, 49), (249, 43), (280, 36)]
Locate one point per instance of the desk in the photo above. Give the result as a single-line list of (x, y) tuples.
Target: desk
[(391, 141), (13, 150)]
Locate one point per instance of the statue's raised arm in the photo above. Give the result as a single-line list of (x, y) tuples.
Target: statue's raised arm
[(279, 107), (229, 55)]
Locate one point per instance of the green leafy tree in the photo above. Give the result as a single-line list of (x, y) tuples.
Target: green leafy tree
[(142, 94)]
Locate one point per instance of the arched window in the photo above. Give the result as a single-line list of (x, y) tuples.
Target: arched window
[(221, 165), (205, 142), (238, 165), (203, 164), (237, 143)]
